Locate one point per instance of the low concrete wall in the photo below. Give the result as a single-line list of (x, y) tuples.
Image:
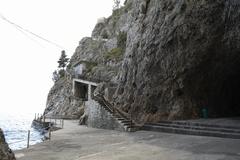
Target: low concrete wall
[(98, 117)]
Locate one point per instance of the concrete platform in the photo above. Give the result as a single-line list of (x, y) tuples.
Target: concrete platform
[(81, 143)]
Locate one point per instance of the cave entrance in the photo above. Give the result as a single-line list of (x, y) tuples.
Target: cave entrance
[(224, 101), (215, 86)]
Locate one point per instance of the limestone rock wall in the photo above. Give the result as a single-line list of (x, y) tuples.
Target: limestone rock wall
[(102, 55), (180, 56), (5, 151), (169, 59), (61, 102)]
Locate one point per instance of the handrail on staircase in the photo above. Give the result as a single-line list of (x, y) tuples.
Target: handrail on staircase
[(113, 109), (101, 99)]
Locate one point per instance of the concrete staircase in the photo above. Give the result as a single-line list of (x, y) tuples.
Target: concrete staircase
[(122, 119), (128, 125), (194, 128)]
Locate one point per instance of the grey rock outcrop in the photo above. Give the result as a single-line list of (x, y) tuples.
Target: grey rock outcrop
[(102, 56), (169, 59), (5, 152), (61, 102), (181, 56)]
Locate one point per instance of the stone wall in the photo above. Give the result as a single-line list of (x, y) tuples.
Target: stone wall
[(98, 117)]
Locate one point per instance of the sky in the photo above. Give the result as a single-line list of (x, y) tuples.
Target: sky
[(27, 63)]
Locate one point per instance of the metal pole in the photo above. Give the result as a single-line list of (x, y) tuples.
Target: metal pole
[(28, 139), (49, 131), (130, 120), (50, 134), (62, 123)]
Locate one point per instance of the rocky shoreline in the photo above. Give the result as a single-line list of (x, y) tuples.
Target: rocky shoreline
[(5, 152)]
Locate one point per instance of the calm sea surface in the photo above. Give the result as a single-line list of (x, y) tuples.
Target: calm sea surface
[(15, 128)]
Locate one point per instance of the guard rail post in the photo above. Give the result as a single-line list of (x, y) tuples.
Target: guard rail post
[(62, 123), (49, 132), (130, 119), (28, 139)]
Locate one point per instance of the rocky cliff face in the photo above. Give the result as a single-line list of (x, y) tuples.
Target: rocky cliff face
[(101, 55), (61, 102), (5, 151), (169, 58), (181, 56)]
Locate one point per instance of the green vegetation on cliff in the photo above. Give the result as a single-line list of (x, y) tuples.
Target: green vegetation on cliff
[(114, 54), (89, 65), (117, 53)]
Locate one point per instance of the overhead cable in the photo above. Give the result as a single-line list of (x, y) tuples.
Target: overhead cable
[(21, 29)]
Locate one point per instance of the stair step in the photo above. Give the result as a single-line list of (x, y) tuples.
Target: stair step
[(120, 119), (169, 129), (132, 129), (206, 128), (115, 116), (126, 121), (127, 124), (196, 124)]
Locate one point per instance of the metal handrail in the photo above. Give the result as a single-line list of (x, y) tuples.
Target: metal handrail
[(48, 129), (110, 108), (55, 116), (117, 109), (113, 109)]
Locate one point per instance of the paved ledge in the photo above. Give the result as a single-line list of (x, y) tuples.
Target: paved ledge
[(81, 143)]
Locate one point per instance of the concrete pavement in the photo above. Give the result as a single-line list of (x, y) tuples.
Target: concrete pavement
[(76, 142)]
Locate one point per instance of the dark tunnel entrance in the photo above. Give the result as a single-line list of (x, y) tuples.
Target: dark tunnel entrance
[(225, 102), (215, 86), (81, 90)]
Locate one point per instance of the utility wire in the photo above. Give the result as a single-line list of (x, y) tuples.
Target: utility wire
[(21, 29), (25, 34)]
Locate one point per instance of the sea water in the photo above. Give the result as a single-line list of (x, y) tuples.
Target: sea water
[(15, 128)]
